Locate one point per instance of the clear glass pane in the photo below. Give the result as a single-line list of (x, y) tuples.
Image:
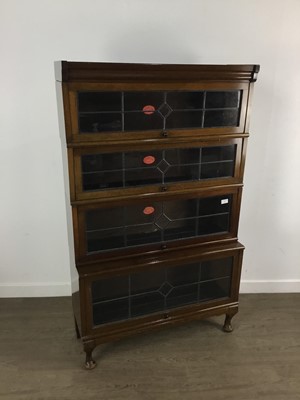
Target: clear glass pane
[(184, 119), (101, 162), (182, 173), (102, 180), (214, 224), (146, 304), (141, 177), (102, 122), (182, 295), (110, 299), (110, 288), (103, 240), (185, 100), (181, 275), (110, 311), (218, 268), (217, 170), (182, 156), (147, 281), (182, 229), (142, 234), (214, 205), (139, 121), (218, 153), (180, 209), (217, 118), (226, 99), (104, 217), (212, 290), (99, 101)]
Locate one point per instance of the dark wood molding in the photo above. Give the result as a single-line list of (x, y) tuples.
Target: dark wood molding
[(170, 256), (125, 72), (154, 142)]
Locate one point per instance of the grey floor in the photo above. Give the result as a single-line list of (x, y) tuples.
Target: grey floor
[(40, 358)]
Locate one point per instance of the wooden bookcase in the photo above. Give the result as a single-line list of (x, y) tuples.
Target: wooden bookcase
[(155, 161)]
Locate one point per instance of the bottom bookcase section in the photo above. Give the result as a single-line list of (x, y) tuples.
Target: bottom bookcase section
[(151, 290)]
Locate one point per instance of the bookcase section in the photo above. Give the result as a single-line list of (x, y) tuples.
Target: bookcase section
[(155, 157)]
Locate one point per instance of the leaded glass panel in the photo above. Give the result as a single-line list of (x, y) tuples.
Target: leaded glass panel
[(121, 170), (157, 110), (154, 222), (159, 290)]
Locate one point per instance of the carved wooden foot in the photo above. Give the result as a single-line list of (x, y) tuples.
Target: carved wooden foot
[(227, 327), (89, 362)]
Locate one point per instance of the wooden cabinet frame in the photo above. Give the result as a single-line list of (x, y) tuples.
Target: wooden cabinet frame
[(74, 77), (111, 331), (168, 187), (76, 137), (235, 191)]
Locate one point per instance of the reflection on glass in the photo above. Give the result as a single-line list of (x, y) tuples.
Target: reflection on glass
[(104, 122)]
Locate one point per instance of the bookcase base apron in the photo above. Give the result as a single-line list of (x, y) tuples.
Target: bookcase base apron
[(91, 342)]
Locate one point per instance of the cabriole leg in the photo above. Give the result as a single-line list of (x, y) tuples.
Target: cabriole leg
[(227, 327), (89, 362)]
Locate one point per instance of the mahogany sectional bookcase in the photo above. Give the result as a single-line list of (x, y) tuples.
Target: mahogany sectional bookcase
[(156, 156)]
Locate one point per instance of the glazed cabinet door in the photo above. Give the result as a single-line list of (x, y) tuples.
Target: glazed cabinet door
[(124, 111), (164, 292), (157, 223), (109, 172)]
